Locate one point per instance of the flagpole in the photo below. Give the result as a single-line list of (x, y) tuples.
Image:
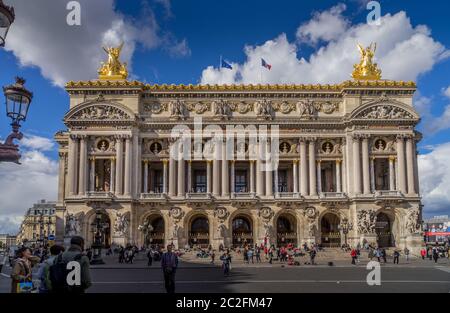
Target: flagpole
[(220, 63)]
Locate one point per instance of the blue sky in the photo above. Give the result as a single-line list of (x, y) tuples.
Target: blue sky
[(176, 41)]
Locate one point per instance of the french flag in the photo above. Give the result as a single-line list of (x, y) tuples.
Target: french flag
[(265, 64)]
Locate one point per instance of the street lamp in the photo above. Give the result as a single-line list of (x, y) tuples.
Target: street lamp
[(7, 17), (97, 246), (345, 227), (18, 100)]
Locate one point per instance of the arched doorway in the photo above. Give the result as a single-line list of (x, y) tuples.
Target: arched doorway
[(383, 228), (329, 230), (199, 232), (242, 231), (101, 229), (154, 231), (286, 230)]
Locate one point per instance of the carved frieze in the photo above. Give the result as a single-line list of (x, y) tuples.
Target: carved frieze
[(100, 112)]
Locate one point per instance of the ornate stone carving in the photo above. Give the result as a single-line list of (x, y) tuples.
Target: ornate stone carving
[(311, 215), (366, 221), (155, 107), (177, 109), (413, 222), (266, 213), (73, 224), (222, 231), (383, 111), (264, 108), (284, 107), (122, 223), (307, 108), (329, 107), (176, 213), (221, 213), (198, 107), (101, 112), (241, 107), (221, 108)]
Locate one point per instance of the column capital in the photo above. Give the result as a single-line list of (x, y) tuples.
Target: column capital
[(338, 161), (295, 161), (392, 158), (165, 161), (318, 161), (400, 137)]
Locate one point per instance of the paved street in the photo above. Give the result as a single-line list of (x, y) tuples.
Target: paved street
[(416, 276)]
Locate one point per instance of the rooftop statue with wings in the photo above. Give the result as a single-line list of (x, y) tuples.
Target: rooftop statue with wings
[(113, 69), (366, 69)]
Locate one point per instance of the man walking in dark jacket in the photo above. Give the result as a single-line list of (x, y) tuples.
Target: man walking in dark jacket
[(169, 264)]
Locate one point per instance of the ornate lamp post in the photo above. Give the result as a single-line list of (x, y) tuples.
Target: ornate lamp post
[(98, 231), (345, 227), (7, 17), (18, 100)]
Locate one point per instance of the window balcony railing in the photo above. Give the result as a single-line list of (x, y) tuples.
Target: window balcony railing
[(198, 195), (99, 194), (287, 195), (332, 195), (388, 193), (153, 195), (243, 195)]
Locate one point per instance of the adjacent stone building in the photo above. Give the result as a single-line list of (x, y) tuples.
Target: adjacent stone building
[(346, 156), (39, 223)]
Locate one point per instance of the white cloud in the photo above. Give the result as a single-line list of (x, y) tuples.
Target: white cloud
[(37, 143), (434, 168), (22, 185), (41, 37), (431, 123), (404, 52), (447, 92), (326, 26)]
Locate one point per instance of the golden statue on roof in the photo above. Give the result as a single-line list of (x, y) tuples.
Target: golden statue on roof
[(366, 69), (113, 69)]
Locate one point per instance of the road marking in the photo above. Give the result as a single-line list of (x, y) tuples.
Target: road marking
[(275, 281), (4, 275), (443, 268)]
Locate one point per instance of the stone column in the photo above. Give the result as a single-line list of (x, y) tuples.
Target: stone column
[(92, 174), (216, 177), (181, 178), (312, 169), (252, 176), (208, 176), (145, 176), (189, 176), (319, 176), (338, 176), (356, 166), (233, 173), (294, 175), (275, 182), (225, 172), (61, 176), (119, 166), (172, 172), (113, 175), (391, 173), (303, 169), (344, 166), (269, 181), (401, 164), (127, 179), (165, 176), (372, 174), (83, 163), (259, 172), (366, 165), (410, 165), (73, 164)]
